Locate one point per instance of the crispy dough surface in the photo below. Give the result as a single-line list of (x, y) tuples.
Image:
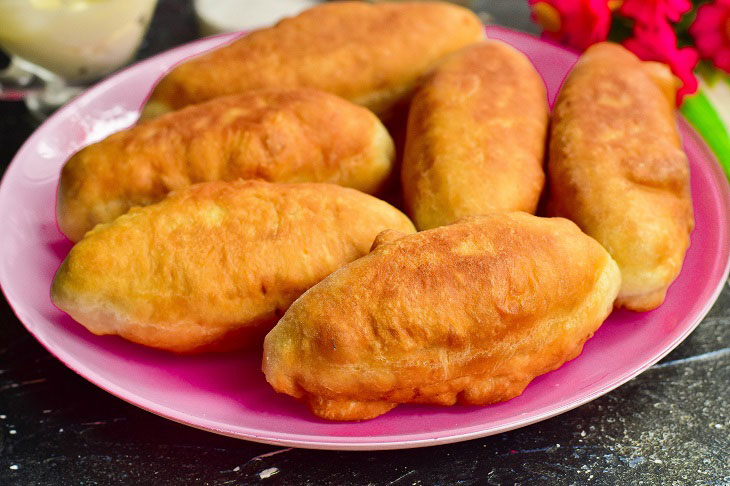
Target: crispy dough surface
[(277, 135), (476, 137), (467, 313), (618, 170), (215, 264), (370, 54)]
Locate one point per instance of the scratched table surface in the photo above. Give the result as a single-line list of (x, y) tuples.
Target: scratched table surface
[(670, 425)]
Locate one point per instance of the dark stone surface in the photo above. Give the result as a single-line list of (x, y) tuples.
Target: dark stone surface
[(670, 425)]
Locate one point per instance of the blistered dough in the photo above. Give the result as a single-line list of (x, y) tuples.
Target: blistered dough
[(371, 54), (277, 135), (213, 266), (466, 313), (617, 168), (476, 137)]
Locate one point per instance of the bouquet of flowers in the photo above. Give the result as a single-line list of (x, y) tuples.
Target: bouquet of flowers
[(691, 37)]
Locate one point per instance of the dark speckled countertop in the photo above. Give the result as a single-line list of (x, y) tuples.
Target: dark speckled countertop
[(670, 425)]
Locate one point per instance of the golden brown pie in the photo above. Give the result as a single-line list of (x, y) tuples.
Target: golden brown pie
[(476, 137), (213, 266), (466, 313), (277, 135), (617, 168), (370, 54)]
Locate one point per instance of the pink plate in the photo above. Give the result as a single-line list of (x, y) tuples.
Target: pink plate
[(227, 394)]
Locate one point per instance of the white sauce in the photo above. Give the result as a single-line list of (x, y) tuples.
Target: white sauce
[(76, 39), (216, 16)]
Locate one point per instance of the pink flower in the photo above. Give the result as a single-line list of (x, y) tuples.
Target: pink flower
[(576, 23), (649, 12), (658, 42), (711, 31)]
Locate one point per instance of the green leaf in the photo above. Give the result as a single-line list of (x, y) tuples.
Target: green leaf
[(700, 113), (621, 28)]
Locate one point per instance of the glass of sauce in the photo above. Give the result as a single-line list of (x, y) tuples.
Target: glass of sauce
[(58, 47)]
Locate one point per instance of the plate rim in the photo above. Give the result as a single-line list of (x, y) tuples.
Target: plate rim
[(343, 442)]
